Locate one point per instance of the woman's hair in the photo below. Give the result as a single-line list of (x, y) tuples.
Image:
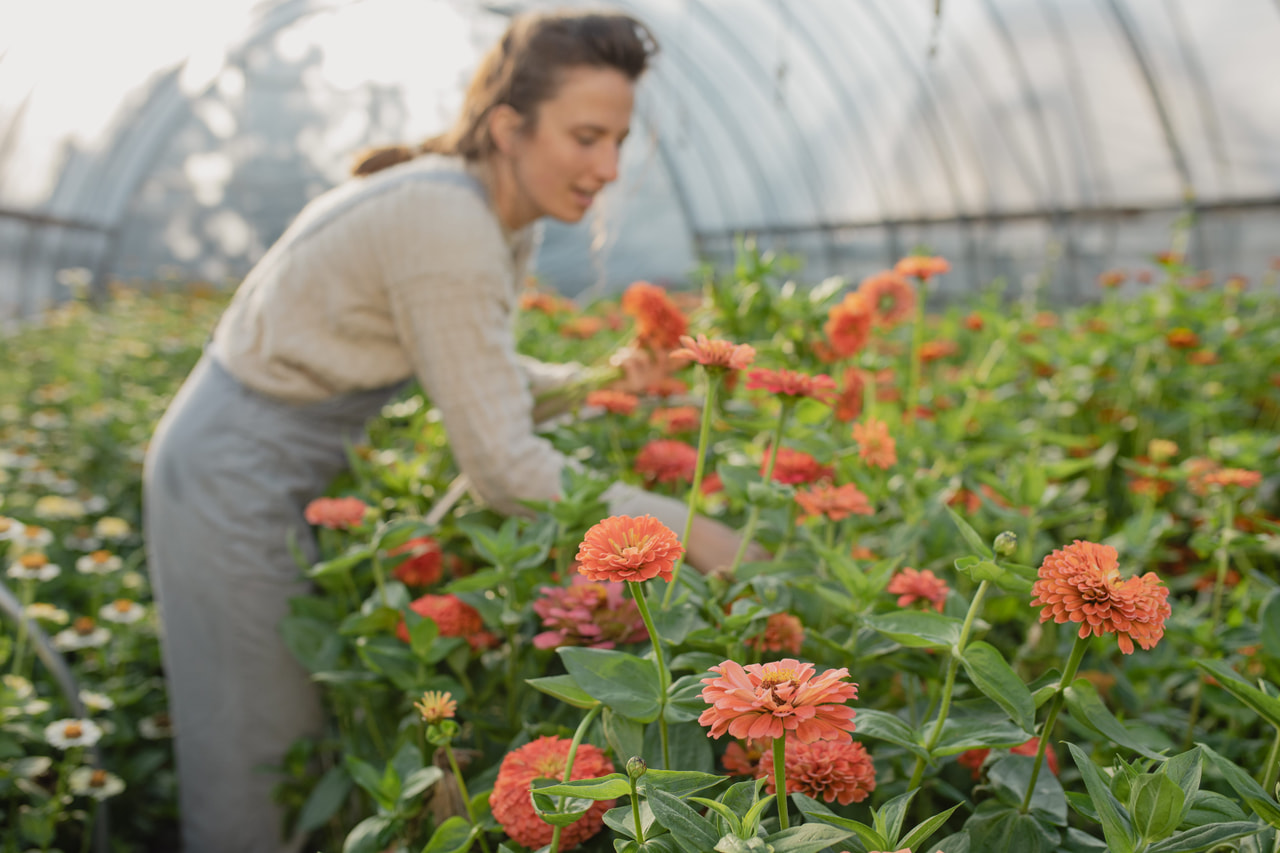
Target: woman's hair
[(524, 69)]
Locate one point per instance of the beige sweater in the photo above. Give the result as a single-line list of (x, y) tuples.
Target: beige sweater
[(408, 272)]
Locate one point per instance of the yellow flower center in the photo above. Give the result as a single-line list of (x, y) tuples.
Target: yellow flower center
[(34, 560), (72, 730), (122, 605), (84, 625)]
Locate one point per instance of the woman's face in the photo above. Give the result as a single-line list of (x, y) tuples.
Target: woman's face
[(571, 152)]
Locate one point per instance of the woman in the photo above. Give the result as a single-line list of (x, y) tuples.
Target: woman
[(408, 270)]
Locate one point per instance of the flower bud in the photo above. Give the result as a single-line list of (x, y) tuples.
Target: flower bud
[(1006, 543), (636, 767)]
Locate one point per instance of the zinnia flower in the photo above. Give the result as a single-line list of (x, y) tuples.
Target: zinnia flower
[(98, 563), (423, 564), (911, 586), (622, 548), (1112, 278), (70, 733), (436, 705), (1240, 477), (659, 323), (546, 758), (768, 700), (744, 760), (795, 466), (587, 614), (827, 770), (665, 460), (581, 327), (782, 633), (922, 266), (850, 400), (892, 298), (1182, 338), (453, 616), (336, 513), (792, 384), (934, 350), (94, 782), (614, 402), (973, 321), (875, 445), (835, 502), (848, 326), (721, 354), (975, 758), (676, 419), (1081, 583)]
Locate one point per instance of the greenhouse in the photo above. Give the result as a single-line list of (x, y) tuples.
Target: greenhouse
[(809, 426)]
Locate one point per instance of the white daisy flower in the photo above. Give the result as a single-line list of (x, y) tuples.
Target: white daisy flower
[(33, 566), (95, 504), (70, 732), (58, 508), (95, 701), (133, 580), (122, 611), (42, 612), (110, 527), (84, 634), (36, 707), (9, 528), (46, 419), (31, 537), (20, 686), (98, 563), (94, 782), (156, 726)]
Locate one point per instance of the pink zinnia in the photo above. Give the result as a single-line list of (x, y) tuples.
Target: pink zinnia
[(336, 513), (892, 298), (827, 770), (768, 700), (911, 586), (793, 384), (588, 613)]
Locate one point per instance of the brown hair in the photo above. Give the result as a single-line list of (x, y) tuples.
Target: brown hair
[(524, 69)]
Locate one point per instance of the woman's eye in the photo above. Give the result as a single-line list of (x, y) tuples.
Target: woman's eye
[(586, 140)]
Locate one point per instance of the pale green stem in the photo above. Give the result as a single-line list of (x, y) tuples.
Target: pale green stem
[(704, 435), (664, 678), (568, 766), (462, 790), (1223, 559), (20, 647), (1068, 676), (635, 810), (1271, 770), (953, 667), (753, 517), (913, 375), (780, 777)]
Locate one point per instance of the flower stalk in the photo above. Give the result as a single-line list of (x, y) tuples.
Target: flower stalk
[(780, 778), (664, 677), (1055, 707), (704, 436), (568, 767), (753, 517)]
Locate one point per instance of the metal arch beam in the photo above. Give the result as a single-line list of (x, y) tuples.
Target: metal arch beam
[(1203, 97)]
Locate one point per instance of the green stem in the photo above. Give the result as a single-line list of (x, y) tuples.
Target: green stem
[(753, 517), (789, 534), (704, 436), (913, 376), (953, 667), (462, 790), (1271, 770), (664, 678), (1068, 676), (635, 810), (28, 595), (1223, 555), (780, 777), (568, 764)]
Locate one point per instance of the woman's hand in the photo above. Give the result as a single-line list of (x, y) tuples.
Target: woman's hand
[(641, 368)]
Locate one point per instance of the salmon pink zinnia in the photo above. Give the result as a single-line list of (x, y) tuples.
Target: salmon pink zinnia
[(824, 770), (792, 384), (659, 322), (667, 461), (336, 513), (1081, 583), (875, 445), (911, 586), (782, 633), (715, 353), (614, 402), (848, 326), (768, 700), (622, 548), (892, 298), (834, 502), (545, 758), (795, 466)]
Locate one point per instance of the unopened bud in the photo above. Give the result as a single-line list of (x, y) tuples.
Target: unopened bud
[(636, 767), (1006, 543)]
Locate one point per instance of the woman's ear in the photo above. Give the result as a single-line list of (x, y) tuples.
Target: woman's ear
[(504, 125)]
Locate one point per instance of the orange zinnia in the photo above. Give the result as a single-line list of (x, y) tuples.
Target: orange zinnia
[(892, 298), (875, 445), (848, 325), (546, 758), (793, 384), (1182, 338), (849, 403), (823, 770), (666, 460), (911, 586), (677, 419), (782, 633), (659, 323), (1081, 583), (768, 700), (922, 267), (835, 502), (715, 353), (614, 402), (795, 466), (423, 561), (622, 548), (336, 513), (436, 705)]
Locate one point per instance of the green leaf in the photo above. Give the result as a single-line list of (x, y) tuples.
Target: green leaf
[(1156, 804), (684, 699), (674, 625), (997, 827), (732, 821), (918, 628), (1210, 807), (369, 835), (1010, 777), (689, 829), (970, 535), (623, 682), (885, 726), (1269, 625), (1267, 707), (1205, 837), (924, 830), (995, 678), (1086, 707), (418, 781), (623, 734), (564, 688), (453, 836), (325, 799), (559, 810), (620, 820), (485, 579), (342, 563), (609, 787), (815, 811), (422, 635), (888, 818), (1112, 816), (1249, 790), (977, 725), (316, 644), (678, 783), (369, 779), (809, 838)]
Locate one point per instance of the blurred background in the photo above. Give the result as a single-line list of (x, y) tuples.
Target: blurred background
[(1035, 140)]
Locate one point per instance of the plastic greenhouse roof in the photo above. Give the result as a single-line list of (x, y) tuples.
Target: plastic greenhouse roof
[(152, 133)]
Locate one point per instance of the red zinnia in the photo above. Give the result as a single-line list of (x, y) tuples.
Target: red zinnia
[(1081, 583), (614, 402), (336, 513), (677, 419), (795, 466), (849, 403), (911, 586), (792, 384), (875, 445), (892, 298), (622, 548), (975, 758), (848, 325), (715, 353), (453, 616), (546, 758), (782, 633), (835, 502), (824, 770), (768, 700), (423, 563), (665, 460), (659, 323)]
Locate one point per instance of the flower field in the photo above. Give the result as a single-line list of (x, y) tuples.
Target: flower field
[(1022, 590)]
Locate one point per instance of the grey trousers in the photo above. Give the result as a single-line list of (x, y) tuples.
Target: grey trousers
[(227, 476)]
